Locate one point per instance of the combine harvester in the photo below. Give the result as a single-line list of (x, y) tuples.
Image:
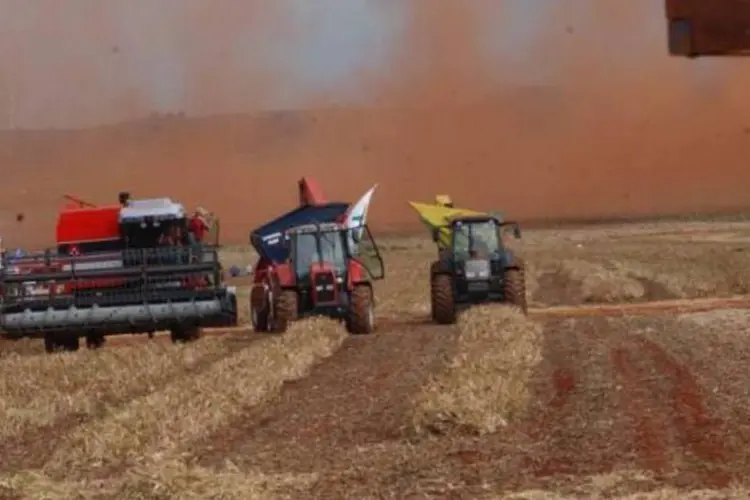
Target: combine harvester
[(473, 264), (318, 259), (112, 273)]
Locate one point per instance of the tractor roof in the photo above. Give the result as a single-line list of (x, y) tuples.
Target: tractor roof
[(474, 218), (315, 228), (268, 239)]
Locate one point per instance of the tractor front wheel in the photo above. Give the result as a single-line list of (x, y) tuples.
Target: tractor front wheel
[(515, 288), (442, 301), (259, 313), (284, 311), (183, 334), (361, 318), (94, 341), (57, 342)]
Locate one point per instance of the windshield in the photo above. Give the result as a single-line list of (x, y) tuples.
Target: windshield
[(167, 233), (331, 251), (476, 240)]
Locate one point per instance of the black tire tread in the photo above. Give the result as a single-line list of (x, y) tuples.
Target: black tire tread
[(359, 312), (285, 311), (515, 288), (443, 304)]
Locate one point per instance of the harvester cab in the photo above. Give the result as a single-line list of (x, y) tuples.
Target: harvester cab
[(474, 265)]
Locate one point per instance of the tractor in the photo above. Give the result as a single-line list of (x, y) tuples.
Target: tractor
[(117, 269), (474, 267), (323, 276), (317, 259)]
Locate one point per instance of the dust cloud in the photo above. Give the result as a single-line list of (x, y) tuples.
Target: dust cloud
[(541, 109)]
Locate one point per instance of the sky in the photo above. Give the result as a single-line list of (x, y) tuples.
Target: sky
[(82, 63)]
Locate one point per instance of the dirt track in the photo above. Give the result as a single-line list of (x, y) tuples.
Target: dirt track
[(628, 397), (609, 397)]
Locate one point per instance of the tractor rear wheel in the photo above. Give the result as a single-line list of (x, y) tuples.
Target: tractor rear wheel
[(284, 311), (57, 342), (259, 318), (94, 341), (182, 334), (515, 288), (259, 312), (361, 314), (442, 301)]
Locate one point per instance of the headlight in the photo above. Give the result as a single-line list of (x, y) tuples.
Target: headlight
[(477, 269)]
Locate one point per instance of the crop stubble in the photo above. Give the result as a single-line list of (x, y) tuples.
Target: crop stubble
[(616, 405)]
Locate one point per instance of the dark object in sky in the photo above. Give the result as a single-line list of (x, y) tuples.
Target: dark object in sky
[(20, 217), (699, 28)]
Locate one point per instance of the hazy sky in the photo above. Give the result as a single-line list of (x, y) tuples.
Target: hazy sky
[(82, 62)]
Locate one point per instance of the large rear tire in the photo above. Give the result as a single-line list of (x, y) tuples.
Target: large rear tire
[(184, 334), (259, 318), (442, 300), (361, 314), (95, 341), (515, 288), (284, 311), (259, 312), (59, 342)]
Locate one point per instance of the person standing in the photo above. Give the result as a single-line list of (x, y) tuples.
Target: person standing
[(199, 225)]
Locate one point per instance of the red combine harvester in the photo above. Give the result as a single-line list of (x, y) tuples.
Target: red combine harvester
[(318, 259), (116, 269), (699, 28)]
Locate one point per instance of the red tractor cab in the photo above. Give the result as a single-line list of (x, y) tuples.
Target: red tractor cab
[(311, 261), (330, 272)]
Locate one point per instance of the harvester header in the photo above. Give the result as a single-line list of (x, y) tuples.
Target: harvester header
[(437, 216)]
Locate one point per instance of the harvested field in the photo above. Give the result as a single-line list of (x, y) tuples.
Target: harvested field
[(600, 393)]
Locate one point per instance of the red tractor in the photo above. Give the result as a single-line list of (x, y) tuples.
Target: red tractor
[(124, 268), (314, 261)]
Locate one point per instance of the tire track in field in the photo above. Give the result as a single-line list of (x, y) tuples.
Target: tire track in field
[(698, 433), (359, 396), (32, 448), (645, 411), (653, 308)]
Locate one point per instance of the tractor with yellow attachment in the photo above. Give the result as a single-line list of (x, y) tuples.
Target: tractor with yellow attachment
[(473, 265)]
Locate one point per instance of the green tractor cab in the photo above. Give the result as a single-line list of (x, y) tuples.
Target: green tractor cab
[(475, 268)]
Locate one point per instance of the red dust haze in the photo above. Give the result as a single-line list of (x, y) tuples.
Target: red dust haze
[(537, 108)]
